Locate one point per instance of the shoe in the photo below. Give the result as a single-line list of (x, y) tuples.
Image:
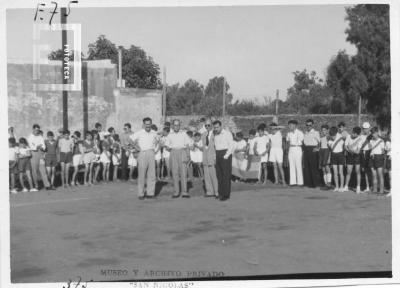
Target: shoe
[(208, 196), (175, 196), (50, 188), (345, 189), (336, 190), (33, 190), (185, 196), (14, 191), (25, 190), (151, 197), (223, 199), (141, 197), (366, 190), (358, 190), (341, 190)]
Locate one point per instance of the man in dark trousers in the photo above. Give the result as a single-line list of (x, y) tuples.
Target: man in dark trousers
[(310, 157), (223, 141)]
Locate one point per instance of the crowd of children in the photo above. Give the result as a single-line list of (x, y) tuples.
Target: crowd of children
[(79, 159)]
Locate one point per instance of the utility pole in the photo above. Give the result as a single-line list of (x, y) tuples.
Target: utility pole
[(64, 44), (164, 95), (359, 110), (223, 98), (277, 102), (120, 68)]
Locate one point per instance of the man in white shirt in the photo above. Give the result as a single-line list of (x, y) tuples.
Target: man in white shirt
[(224, 145), (177, 143), (145, 141), (37, 146), (312, 176), (295, 140)]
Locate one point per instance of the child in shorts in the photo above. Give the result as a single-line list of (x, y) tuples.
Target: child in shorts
[(77, 156), (132, 162), (157, 156), (377, 147), (24, 165), (336, 145), (324, 157), (96, 157), (261, 148), (165, 154), (50, 158), (353, 145), (12, 163), (65, 146), (276, 153), (196, 155)]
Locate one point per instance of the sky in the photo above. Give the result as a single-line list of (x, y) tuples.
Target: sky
[(256, 48)]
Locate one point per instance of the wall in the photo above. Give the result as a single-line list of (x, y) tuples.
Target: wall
[(105, 103)]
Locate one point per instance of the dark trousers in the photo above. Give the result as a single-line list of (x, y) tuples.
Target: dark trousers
[(124, 165), (223, 168), (312, 177)]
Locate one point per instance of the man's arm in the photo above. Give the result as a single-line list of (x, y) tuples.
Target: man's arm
[(231, 145)]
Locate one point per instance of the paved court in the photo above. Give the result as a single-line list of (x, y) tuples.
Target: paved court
[(105, 233)]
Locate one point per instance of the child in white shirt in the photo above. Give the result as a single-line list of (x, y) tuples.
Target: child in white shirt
[(335, 143), (377, 146)]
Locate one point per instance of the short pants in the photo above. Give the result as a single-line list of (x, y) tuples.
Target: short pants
[(337, 158), (50, 160), (24, 164), (65, 157), (376, 161)]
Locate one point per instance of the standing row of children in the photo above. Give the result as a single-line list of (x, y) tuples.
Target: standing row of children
[(362, 151)]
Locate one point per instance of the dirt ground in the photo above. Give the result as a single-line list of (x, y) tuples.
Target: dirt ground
[(105, 233)]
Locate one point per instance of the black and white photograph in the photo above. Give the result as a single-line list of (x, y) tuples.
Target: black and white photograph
[(172, 144)]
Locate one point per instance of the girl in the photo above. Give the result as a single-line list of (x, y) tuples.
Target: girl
[(24, 165), (197, 155), (335, 144), (105, 157), (116, 156), (377, 147), (353, 147), (88, 147)]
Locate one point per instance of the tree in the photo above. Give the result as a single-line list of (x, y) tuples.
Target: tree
[(186, 99), (138, 69), (60, 55), (369, 31), (212, 104), (347, 83)]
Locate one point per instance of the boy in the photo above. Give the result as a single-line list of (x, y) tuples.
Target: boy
[(24, 165), (324, 155), (261, 147), (96, 157), (196, 155), (50, 158), (190, 163), (12, 163), (165, 154), (65, 146), (388, 162), (105, 157), (276, 153), (77, 156), (116, 156), (365, 154), (251, 142), (377, 147), (353, 147), (336, 144)]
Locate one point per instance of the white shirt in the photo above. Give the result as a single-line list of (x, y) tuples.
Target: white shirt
[(146, 140), (251, 145), (353, 145), (324, 142), (364, 138), (377, 149), (34, 141), (202, 130), (295, 138), (339, 146), (276, 140), (224, 140), (101, 135), (311, 138), (239, 145), (262, 142), (178, 140), (12, 153)]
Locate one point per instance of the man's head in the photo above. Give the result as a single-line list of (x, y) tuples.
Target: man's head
[(147, 124), (208, 124), (98, 126), (176, 125), (35, 129), (292, 124), (217, 126), (341, 127), (309, 124), (127, 127)]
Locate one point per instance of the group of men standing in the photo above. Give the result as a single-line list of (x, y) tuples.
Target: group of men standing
[(217, 147)]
